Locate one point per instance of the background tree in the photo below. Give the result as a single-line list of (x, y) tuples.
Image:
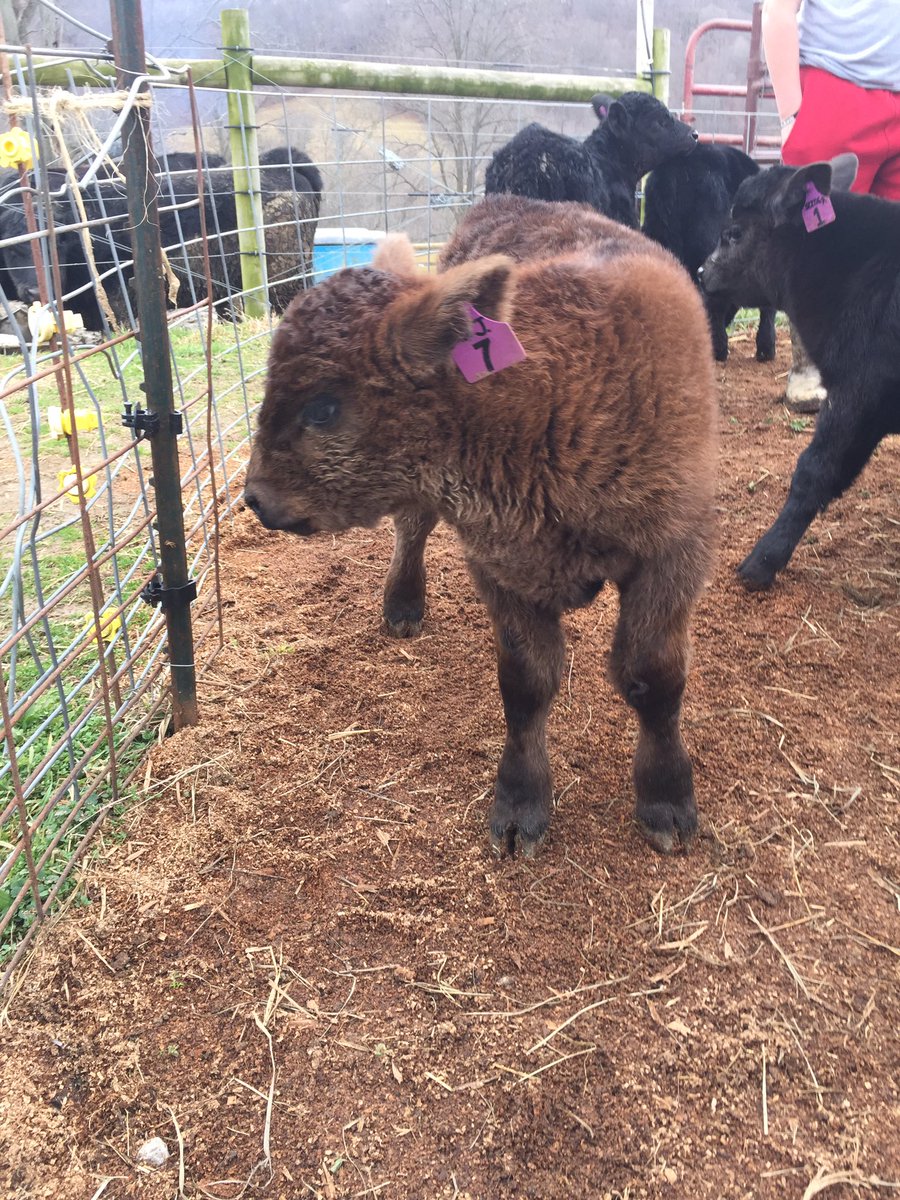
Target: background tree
[(29, 23), (466, 33)]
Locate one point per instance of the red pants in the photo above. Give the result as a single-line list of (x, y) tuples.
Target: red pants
[(836, 117)]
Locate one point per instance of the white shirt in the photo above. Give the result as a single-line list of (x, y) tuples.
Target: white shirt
[(857, 40)]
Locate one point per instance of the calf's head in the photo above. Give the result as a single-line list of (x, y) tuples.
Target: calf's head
[(646, 132), (751, 261), (359, 390)]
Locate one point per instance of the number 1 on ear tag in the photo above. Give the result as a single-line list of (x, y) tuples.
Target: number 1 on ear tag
[(817, 209), (492, 347)]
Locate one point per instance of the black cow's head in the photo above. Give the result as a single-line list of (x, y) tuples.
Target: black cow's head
[(647, 132), (750, 263)]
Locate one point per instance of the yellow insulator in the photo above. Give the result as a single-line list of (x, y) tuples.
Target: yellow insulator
[(42, 323), (109, 626), (60, 421), (15, 148), (68, 480)]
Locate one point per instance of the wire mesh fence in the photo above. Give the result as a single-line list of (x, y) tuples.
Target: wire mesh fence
[(84, 657)]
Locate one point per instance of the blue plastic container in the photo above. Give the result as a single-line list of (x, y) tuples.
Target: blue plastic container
[(335, 249)]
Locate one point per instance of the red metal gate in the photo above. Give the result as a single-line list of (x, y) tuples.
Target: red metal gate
[(757, 87)]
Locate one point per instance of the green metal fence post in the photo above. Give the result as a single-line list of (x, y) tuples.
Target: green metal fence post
[(149, 284), (245, 158)]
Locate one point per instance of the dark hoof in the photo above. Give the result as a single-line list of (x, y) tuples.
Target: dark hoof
[(518, 828), (514, 844), (403, 629), (403, 620), (664, 825), (804, 408), (765, 354), (756, 576)]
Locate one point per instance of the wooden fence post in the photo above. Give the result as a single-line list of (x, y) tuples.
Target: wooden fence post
[(245, 158)]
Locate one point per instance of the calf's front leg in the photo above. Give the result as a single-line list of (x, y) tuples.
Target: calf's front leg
[(404, 588), (530, 655), (720, 313), (765, 335), (847, 432)]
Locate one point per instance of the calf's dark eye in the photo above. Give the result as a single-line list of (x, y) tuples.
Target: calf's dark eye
[(321, 412)]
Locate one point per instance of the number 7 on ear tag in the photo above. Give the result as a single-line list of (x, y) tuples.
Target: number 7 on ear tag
[(492, 347)]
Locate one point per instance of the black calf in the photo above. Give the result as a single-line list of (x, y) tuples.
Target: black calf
[(637, 134), (831, 260), (687, 205)]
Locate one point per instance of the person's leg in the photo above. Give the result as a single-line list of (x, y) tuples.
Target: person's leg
[(835, 117), (839, 117), (887, 180)]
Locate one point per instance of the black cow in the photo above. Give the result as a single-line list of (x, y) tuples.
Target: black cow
[(291, 188), (18, 275), (831, 260), (687, 203), (637, 134)]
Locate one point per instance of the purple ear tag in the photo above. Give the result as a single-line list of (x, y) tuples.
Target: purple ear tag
[(492, 347), (817, 209)]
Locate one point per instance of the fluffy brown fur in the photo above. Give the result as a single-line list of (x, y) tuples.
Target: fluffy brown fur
[(591, 460)]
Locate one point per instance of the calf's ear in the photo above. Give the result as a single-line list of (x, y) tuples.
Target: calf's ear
[(427, 322), (601, 105), (788, 199), (843, 172), (395, 254), (618, 120)]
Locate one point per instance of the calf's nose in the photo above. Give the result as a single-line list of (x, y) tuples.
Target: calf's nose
[(252, 501)]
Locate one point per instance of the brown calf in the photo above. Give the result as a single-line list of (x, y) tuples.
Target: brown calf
[(590, 460)]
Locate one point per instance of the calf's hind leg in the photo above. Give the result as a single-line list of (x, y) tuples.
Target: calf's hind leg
[(648, 666), (404, 588)]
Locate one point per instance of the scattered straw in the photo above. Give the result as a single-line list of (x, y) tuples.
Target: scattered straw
[(180, 1150), (90, 945), (825, 1179), (765, 1098), (793, 1030), (574, 1017), (794, 973), (871, 940), (523, 1078), (682, 943), (558, 998), (105, 1184)]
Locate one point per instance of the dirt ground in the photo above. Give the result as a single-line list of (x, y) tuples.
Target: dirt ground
[(306, 973)]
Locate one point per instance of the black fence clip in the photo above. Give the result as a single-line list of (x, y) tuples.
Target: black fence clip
[(146, 424), (154, 593)]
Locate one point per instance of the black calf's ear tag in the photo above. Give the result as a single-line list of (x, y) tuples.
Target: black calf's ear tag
[(492, 347), (818, 210)]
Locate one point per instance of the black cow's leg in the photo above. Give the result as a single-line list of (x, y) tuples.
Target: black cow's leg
[(721, 314), (846, 434), (648, 666), (530, 654), (765, 335), (404, 588)]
